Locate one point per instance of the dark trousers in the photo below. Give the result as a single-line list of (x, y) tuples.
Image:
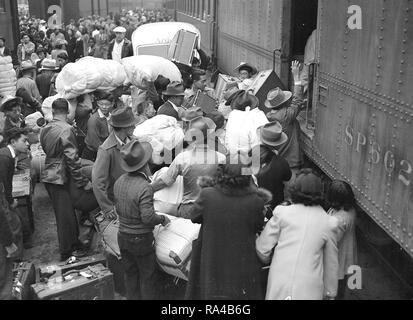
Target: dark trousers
[(342, 288), (67, 226), (139, 261), (6, 275)]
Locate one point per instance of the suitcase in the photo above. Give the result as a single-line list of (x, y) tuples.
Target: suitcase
[(174, 246), (56, 269), (224, 82), (23, 277), (263, 83), (206, 103), (91, 283), (182, 47)]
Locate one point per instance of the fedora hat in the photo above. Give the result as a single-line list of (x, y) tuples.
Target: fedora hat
[(174, 89), (27, 65), (277, 97), (8, 102), (49, 64), (192, 114), (272, 134), (232, 95), (246, 66), (122, 118), (244, 100), (135, 155)]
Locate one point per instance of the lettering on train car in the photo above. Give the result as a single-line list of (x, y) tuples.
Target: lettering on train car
[(387, 158), (354, 22)]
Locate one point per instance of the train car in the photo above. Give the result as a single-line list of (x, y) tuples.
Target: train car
[(9, 23), (358, 126)]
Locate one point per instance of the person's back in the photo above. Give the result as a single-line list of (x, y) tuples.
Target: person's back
[(305, 236), (43, 81)]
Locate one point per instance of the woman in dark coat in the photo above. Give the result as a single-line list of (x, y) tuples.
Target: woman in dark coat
[(224, 262)]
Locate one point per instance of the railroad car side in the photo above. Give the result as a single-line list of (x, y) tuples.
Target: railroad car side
[(364, 112)]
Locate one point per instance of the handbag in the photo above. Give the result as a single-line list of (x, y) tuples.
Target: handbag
[(108, 229)]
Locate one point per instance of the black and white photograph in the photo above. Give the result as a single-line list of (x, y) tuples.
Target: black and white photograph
[(206, 155)]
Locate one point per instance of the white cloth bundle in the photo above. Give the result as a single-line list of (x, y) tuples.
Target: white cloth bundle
[(89, 74), (8, 77), (162, 132), (141, 69), (47, 107)]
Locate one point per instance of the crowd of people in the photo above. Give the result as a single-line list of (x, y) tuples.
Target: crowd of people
[(277, 213)]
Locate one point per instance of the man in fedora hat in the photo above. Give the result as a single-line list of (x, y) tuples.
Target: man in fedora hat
[(137, 218), (174, 96), (120, 47), (274, 168), (62, 165), (44, 79), (107, 168), (285, 108), (199, 160), (27, 82)]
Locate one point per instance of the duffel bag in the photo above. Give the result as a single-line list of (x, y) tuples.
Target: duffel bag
[(174, 246)]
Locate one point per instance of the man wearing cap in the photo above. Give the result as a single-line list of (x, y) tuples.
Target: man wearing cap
[(27, 82), (199, 160), (44, 79), (4, 51), (63, 164), (137, 218), (120, 47), (107, 168), (285, 108), (246, 72), (274, 168), (11, 107), (98, 127), (174, 96)]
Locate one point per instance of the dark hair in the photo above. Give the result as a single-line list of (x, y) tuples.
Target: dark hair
[(59, 46), (307, 189), (4, 39), (101, 95), (196, 75), (23, 35), (340, 196), (15, 134), (63, 56), (39, 50), (229, 177), (60, 106)]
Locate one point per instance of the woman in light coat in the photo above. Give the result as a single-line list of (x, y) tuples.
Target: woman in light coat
[(305, 262)]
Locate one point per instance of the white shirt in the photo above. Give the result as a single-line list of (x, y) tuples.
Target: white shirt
[(2, 51), (117, 51), (95, 33), (121, 142), (13, 153), (174, 105), (241, 130)]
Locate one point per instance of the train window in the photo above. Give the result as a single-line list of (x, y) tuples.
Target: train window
[(2, 6)]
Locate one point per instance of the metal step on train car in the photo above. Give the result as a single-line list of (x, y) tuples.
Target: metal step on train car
[(358, 125)]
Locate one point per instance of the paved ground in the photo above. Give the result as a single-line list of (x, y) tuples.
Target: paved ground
[(377, 283)]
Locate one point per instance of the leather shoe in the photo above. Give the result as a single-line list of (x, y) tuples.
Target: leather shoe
[(79, 253)]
